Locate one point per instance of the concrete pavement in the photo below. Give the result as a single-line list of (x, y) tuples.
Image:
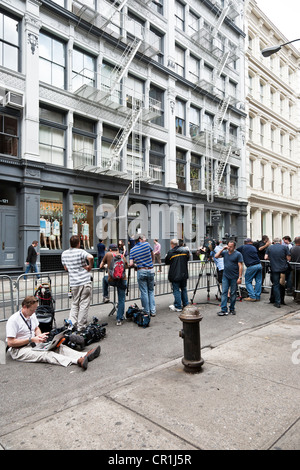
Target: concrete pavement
[(136, 396)]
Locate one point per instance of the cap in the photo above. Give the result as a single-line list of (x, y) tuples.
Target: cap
[(113, 247), (247, 240)]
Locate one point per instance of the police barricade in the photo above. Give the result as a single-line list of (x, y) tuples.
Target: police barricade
[(201, 274), (7, 306)]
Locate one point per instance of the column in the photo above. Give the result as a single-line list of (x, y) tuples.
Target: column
[(30, 131)]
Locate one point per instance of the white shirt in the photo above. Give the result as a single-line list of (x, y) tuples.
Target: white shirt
[(18, 329)]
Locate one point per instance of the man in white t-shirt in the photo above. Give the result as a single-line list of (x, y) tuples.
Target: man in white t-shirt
[(23, 335), (78, 263)]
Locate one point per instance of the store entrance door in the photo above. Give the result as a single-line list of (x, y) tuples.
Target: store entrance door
[(9, 236)]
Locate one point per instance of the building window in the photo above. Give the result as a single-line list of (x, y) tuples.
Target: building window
[(83, 219), (52, 136), (9, 138), (83, 70), (180, 117), (179, 15), (272, 139), (262, 176), (208, 121), (262, 132), (156, 101), (180, 169), (108, 137), (179, 60), (157, 161), (107, 75), (158, 5), (194, 69), (251, 175), (194, 22), (84, 142), (9, 42), (52, 61), (195, 121), (51, 220), (157, 40), (195, 172), (272, 179), (234, 180)]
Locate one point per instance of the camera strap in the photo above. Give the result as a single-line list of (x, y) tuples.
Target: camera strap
[(27, 323)]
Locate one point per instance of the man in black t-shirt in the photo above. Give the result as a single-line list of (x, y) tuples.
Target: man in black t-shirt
[(279, 255)]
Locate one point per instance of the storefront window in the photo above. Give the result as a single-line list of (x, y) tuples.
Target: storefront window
[(83, 219), (51, 213)]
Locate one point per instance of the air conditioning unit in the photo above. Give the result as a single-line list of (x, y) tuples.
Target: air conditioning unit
[(13, 100)]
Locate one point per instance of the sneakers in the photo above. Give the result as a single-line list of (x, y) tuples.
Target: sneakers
[(250, 299), (119, 323), (105, 300), (222, 313), (174, 309)]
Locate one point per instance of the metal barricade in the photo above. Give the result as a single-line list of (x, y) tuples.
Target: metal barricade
[(14, 291), (7, 306)]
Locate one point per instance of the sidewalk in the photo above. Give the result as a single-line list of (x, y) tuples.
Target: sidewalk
[(246, 397)]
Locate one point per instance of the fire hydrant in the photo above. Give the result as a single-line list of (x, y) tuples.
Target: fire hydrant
[(190, 334)]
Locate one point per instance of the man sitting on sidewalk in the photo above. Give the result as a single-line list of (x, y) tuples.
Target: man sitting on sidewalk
[(23, 335), (253, 271)]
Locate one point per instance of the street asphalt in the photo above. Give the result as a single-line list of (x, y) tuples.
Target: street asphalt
[(137, 396)]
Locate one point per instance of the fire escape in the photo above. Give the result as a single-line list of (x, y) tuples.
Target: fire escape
[(110, 92), (211, 40)]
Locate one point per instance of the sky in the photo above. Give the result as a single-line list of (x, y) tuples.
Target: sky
[(285, 14)]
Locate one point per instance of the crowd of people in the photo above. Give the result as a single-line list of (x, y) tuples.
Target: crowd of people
[(282, 257)]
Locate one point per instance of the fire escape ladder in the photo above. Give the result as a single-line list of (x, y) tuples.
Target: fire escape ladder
[(120, 70), (125, 131)]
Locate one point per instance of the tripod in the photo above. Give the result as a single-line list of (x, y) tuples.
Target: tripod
[(207, 268)]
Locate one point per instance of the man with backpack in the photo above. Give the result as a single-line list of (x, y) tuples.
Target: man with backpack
[(116, 265)]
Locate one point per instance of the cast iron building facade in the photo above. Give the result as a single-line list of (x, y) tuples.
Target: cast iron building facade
[(272, 130), (120, 116)]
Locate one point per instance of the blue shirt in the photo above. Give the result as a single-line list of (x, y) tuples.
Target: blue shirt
[(277, 255), (231, 267), (141, 255), (250, 255)]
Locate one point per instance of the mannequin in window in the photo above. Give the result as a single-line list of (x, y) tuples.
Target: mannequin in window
[(48, 232), (74, 228), (43, 242), (56, 232), (85, 230)]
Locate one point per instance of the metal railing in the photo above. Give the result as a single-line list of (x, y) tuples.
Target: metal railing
[(13, 291)]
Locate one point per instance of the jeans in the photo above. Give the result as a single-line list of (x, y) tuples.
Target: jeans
[(145, 280), (226, 284), (180, 294), (254, 272), (121, 289), (275, 277), (33, 267)]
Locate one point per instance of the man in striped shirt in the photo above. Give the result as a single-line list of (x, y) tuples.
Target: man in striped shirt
[(78, 263), (141, 255)]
